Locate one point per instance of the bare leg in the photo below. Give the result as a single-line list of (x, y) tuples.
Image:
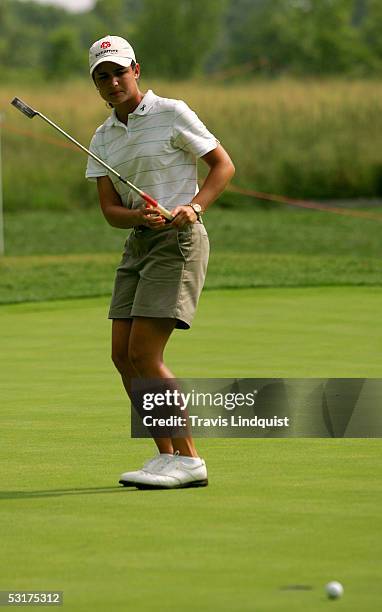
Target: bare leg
[(121, 330), (147, 340)]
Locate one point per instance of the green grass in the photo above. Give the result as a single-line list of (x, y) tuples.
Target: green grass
[(276, 513), (51, 255)]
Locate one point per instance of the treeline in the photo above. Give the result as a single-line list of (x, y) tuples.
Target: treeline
[(180, 38)]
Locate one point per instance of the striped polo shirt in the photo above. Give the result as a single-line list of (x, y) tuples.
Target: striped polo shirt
[(157, 151)]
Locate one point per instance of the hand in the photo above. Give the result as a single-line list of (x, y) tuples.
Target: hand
[(151, 218), (183, 215)]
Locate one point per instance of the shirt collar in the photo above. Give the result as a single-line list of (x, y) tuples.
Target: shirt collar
[(142, 109), (146, 103)]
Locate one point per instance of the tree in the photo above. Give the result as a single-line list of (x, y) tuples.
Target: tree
[(330, 43), (178, 38), (64, 57), (174, 36), (371, 29), (298, 36), (115, 17), (110, 14)]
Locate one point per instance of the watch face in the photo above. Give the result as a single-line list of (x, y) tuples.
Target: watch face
[(197, 208)]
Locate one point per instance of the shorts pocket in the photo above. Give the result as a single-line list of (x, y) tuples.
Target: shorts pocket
[(184, 239)]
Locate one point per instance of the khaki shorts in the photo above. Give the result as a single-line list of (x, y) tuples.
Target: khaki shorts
[(161, 274)]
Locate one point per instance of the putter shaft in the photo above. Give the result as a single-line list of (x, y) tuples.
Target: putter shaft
[(31, 112)]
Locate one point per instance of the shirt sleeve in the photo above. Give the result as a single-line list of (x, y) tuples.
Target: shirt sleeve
[(190, 134), (94, 169)]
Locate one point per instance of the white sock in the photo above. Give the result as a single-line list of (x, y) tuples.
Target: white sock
[(190, 460)]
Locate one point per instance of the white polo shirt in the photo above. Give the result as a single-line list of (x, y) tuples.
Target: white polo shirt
[(157, 151)]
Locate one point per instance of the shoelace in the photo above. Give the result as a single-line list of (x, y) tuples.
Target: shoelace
[(167, 460), (153, 461), (162, 461)]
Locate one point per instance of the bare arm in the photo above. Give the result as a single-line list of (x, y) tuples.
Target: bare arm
[(220, 173), (117, 215)]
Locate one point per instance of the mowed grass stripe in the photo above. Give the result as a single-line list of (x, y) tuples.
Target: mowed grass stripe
[(276, 513), (318, 331), (50, 277)]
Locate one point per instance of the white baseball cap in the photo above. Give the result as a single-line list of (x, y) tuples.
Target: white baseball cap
[(111, 49)]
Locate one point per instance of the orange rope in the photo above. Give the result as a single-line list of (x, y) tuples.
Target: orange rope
[(304, 203), (48, 139)]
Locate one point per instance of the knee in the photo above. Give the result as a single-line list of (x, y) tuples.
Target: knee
[(140, 358), (122, 362)]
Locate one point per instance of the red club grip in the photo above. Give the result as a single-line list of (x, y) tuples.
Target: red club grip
[(149, 199)]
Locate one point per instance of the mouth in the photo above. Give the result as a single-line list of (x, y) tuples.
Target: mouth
[(115, 93)]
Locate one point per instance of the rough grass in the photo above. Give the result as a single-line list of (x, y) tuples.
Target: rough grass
[(317, 139), (53, 254)]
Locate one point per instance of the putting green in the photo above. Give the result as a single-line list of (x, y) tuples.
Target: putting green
[(277, 514)]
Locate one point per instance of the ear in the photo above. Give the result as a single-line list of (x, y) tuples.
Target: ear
[(137, 71)]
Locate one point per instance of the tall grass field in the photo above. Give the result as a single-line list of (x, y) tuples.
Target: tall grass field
[(316, 139)]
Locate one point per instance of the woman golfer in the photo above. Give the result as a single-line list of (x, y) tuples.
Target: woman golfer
[(154, 142)]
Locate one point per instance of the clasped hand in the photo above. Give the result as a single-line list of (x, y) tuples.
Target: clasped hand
[(182, 215)]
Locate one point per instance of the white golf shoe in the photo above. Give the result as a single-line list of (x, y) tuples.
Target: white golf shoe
[(178, 473), (130, 479)]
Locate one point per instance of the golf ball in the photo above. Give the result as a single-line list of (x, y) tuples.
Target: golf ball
[(334, 589)]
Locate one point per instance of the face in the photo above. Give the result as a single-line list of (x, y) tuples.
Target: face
[(116, 83)]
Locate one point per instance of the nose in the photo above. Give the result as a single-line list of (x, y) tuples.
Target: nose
[(114, 81)]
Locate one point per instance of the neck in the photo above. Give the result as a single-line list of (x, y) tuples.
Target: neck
[(123, 110)]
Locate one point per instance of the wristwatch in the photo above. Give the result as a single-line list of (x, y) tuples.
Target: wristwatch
[(197, 209)]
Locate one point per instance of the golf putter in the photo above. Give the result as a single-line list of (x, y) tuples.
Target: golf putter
[(31, 112)]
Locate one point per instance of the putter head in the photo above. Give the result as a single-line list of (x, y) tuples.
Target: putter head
[(24, 108)]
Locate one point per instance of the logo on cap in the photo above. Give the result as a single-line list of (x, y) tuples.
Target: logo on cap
[(106, 44)]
